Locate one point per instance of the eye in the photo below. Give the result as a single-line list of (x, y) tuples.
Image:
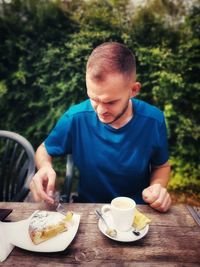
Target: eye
[(111, 103), (93, 100)]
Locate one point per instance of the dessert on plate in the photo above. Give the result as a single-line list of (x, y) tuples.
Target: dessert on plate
[(140, 220), (47, 224)]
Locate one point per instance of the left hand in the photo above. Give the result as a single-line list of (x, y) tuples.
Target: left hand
[(157, 197)]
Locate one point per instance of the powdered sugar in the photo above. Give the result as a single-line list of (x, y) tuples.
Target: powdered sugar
[(44, 219)]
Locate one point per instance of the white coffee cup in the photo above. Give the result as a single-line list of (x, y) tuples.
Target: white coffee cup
[(123, 211)]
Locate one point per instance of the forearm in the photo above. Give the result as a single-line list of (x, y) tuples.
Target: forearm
[(156, 194), (42, 158), (160, 175)]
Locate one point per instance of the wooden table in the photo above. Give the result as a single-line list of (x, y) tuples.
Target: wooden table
[(173, 240)]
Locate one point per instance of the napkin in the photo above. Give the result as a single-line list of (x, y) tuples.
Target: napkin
[(5, 246), (140, 220)]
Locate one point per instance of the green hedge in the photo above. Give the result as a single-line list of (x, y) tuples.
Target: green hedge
[(45, 46)]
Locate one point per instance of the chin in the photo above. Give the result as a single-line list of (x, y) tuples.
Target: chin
[(105, 120)]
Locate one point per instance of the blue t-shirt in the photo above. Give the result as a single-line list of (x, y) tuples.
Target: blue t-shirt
[(112, 162)]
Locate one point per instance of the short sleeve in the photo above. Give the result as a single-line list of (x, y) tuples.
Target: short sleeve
[(161, 153), (58, 142)]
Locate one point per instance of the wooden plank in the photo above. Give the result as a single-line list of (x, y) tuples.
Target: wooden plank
[(173, 238), (177, 216)]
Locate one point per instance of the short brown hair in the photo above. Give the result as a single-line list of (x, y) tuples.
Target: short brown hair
[(110, 57)]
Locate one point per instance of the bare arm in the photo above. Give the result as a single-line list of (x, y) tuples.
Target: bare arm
[(160, 174), (42, 158), (43, 182), (156, 194)]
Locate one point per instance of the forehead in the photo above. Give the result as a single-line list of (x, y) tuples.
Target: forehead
[(113, 87)]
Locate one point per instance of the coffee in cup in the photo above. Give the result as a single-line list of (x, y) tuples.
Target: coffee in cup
[(122, 210)]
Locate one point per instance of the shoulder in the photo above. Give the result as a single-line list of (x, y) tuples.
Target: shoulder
[(147, 110), (80, 109)]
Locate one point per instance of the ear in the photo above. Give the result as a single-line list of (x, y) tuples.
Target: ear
[(135, 89)]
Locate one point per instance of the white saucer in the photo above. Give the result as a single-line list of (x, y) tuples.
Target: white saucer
[(121, 236)]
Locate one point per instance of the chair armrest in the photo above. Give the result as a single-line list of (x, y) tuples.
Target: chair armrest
[(65, 196)]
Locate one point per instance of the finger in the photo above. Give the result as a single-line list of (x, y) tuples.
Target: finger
[(165, 205), (160, 200), (151, 193), (44, 196), (34, 192), (36, 197), (51, 183), (146, 195), (39, 190), (42, 184)]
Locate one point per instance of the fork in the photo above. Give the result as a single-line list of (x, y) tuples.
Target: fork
[(60, 208), (57, 206)]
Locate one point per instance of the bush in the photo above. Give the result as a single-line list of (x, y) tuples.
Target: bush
[(44, 49)]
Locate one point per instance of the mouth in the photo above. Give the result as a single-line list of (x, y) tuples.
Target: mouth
[(104, 116)]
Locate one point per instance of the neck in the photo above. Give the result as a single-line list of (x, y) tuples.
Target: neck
[(125, 118)]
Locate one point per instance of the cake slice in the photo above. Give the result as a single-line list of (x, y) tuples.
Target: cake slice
[(47, 224)]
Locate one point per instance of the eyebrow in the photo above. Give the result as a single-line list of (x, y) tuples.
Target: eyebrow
[(105, 102)]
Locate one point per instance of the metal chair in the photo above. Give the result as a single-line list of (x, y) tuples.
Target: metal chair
[(66, 193), (17, 166)]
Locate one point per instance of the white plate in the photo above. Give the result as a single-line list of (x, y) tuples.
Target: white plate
[(121, 236), (18, 235)]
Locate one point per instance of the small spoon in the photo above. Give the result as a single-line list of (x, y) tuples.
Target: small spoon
[(109, 231), (135, 232)]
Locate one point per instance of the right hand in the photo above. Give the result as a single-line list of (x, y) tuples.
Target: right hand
[(157, 197), (43, 183)]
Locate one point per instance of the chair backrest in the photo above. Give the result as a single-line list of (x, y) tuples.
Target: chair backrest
[(17, 166)]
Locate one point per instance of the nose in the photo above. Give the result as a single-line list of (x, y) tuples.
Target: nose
[(101, 108)]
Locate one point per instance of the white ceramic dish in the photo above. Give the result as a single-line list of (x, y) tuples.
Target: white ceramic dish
[(121, 236), (17, 234)]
